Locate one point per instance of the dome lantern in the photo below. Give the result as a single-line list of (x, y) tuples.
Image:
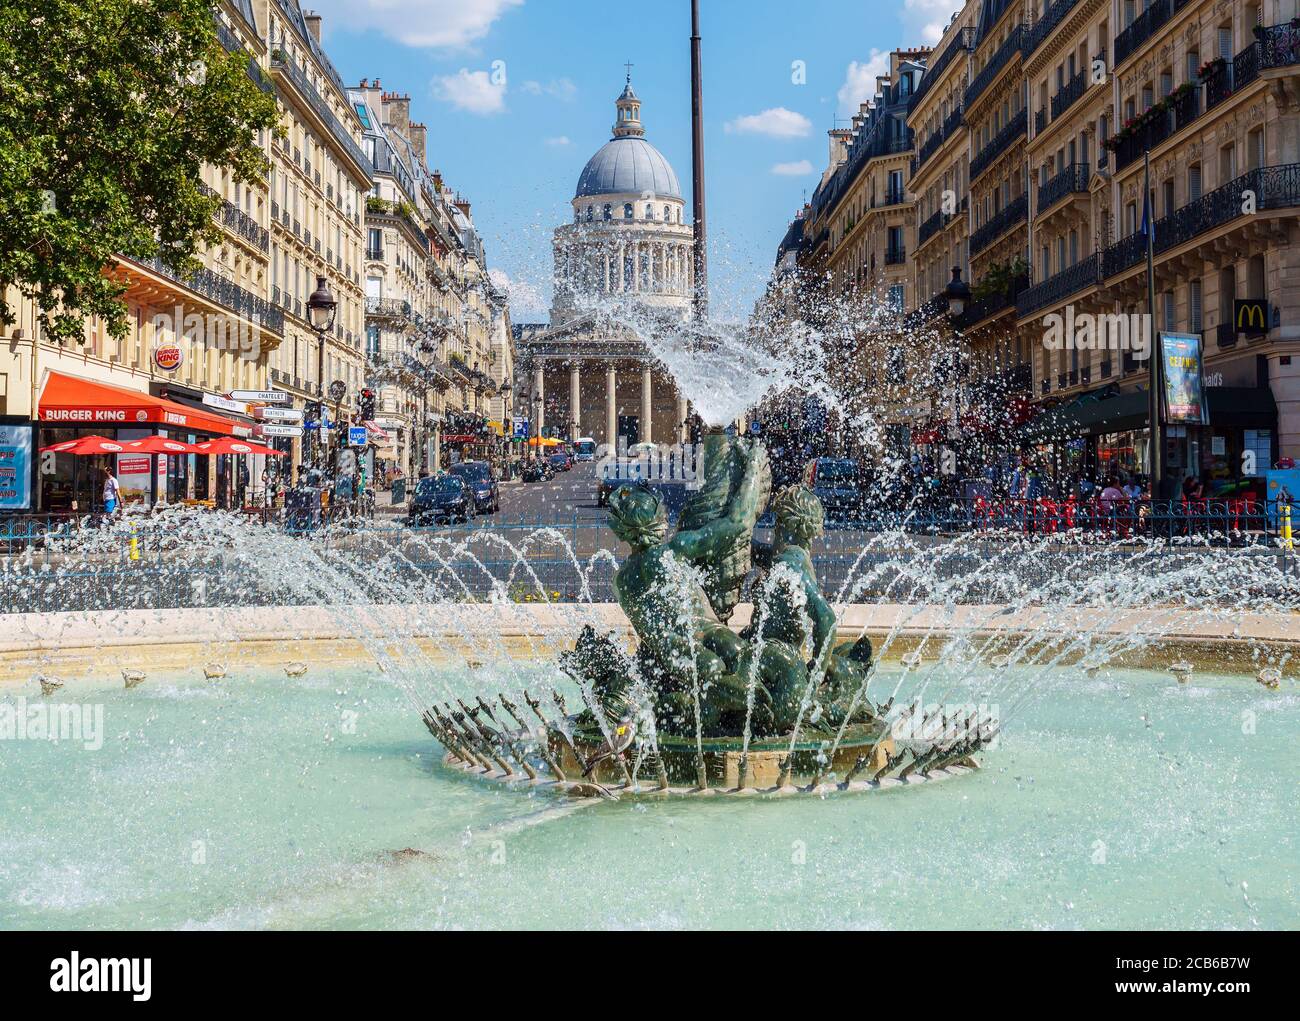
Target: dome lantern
[(627, 123)]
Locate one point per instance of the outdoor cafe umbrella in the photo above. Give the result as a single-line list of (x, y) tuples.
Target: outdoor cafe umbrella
[(86, 446), (544, 441), (230, 445), (160, 445)]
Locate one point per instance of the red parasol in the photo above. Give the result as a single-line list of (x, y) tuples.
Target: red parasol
[(86, 446), (160, 445), (230, 445)]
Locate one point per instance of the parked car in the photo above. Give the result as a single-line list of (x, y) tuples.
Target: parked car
[(837, 483), (482, 483), (560, 461), (442, 498)]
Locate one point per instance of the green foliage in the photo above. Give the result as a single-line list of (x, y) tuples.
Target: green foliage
[(998, 279), (108, 110)]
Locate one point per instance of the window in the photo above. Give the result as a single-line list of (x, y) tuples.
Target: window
[(1255, 149), (1227, 163), (668, 214), (627, 211), (609, 212), (1255, 277), (1169, 206), (1193, 65), (1194, 305), (1193, 182), (649, 211), (591, 212), (1170, 310)]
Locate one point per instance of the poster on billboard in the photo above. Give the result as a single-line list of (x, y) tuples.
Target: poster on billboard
[(15, 467), (1184, 391)]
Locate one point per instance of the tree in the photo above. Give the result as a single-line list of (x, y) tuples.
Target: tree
[(108, 110)]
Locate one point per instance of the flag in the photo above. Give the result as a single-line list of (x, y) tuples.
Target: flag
[(1148, 228)]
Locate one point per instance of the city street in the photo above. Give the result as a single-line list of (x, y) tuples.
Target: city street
[(556, 499)]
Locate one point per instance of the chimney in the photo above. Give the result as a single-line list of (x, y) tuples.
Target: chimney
[(463, 205), (420, 139), (313, 23), (437, 181), (839, 145), (397, 111)]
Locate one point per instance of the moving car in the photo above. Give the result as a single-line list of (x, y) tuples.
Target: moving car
[(482, 483), (560, 461), (442, 498), (584, 449), (837, 483)]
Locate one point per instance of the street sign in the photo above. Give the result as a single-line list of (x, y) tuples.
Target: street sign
[(278, 414), (357, 436), (280, 430), (755, 428), (225, 404), (521, 426), (260, 396)]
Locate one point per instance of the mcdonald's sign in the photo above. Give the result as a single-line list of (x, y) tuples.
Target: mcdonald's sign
[(1250, 316)]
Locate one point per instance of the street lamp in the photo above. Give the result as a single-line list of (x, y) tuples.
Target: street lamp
[(958, 294), (321, 309)]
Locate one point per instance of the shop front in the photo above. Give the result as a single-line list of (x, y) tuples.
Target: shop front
[(69, 407)]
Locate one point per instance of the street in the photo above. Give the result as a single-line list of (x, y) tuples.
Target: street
[(554, 500)]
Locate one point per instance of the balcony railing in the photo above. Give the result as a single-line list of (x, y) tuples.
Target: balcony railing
[(225, 293), (1015, 128), (895, 256), (391, 308), (1060, 286), (892, 197), (980, 310), (962, 43), (231, 42), (1047, 24), (1010, 48), (238, 222), (1273, 188), (1069, 94), (945, 131), (1159, 126), (1071, 179), (374, 254), (1144, 26), (281, 61), (929, 229), (1017, 211)]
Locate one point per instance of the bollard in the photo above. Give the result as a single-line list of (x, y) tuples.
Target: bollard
[(1287, 541), (134, 542)]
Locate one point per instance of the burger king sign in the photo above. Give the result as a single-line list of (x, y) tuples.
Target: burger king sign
[(168, 356)]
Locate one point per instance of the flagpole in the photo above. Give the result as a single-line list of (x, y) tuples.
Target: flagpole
[(1155, 356)]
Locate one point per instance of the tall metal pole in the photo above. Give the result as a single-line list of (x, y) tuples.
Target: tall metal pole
[(1155, 357), (697, 168)]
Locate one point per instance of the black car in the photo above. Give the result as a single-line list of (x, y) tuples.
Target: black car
[(444, 498), (560, 462), (482, 483), (837, 483)]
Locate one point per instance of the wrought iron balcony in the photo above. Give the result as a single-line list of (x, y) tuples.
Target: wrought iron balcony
[(895, 256), (978, 311), (1017, 211), (1056, 288), (225, 293), (1071, 179), (1010, 48), (963, 42), (986, 157), (929, 229), (1273, 188), (374, 254), (1144, 26), (1046, 25), (238, 222), (388, 308), (1069, 93), (231, 42), (945, 131), (282, 62), (1159, 125)]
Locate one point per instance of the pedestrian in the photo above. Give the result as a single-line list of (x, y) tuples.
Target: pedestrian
[(112, 491), (1110, 496)]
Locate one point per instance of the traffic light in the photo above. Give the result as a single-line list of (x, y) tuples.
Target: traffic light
[(367, 405)]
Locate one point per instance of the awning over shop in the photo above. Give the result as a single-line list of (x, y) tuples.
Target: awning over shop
[(71, 401), (1247, 407), (1105, 411)]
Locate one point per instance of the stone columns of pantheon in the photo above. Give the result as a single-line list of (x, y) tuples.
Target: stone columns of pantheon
[(539, 397), (647, 405), (575, 397), (611, 405)]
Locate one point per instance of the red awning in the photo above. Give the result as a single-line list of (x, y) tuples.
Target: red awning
[(69, 400)]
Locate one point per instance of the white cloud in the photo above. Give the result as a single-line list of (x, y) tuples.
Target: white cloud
[(472, 91), (526, 301), (799, 168), (557, 141), (925, 20), (434, 24), (860, 82), (558, 88), (777, 122)]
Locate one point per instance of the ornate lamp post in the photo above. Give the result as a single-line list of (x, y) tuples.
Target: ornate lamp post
[(321, 310)]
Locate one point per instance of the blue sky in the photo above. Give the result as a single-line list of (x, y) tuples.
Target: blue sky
[(518, 94)]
